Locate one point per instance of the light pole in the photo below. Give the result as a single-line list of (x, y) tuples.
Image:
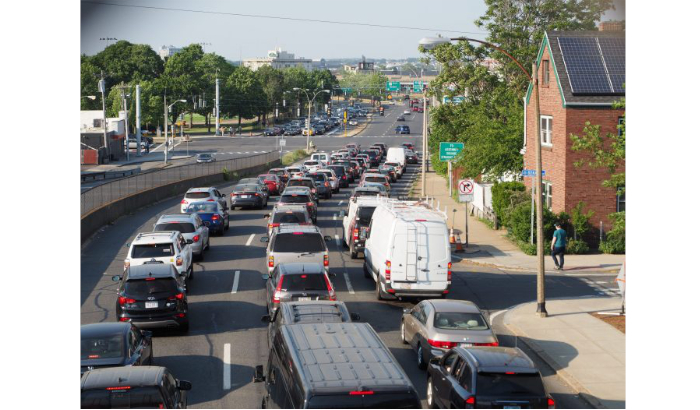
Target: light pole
[(308, 119), (431, 42), (101, 85), (166, 111)]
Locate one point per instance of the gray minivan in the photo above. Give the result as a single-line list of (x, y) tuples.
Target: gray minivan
[(296, 243)]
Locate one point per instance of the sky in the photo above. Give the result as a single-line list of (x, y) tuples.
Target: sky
[(236, 37)]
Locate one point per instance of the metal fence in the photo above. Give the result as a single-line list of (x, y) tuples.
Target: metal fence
[(104, 194)]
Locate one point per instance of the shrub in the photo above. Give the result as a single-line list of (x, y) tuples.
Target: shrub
[(518, 222), (292, 157), (227, 174), (576, 247), (580, 221), (527, 247), (501, 193), (615, 239)]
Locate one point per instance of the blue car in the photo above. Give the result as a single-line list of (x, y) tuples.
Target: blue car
[(403, 129), (212, 214)]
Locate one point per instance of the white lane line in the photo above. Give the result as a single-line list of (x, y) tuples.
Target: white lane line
[(495, 315), (334, 217), (250, 240), (340, 203), (227, 366), (348, 284), (337, 240), (234, 288)]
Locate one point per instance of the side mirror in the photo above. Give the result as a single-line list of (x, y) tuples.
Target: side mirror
[(265, 276), (354, 316), (184, 385), (116, 278), (435, 360), (189, 241), (327, 238), (265, 319), (264, 239), (258, 376), (406, 311)]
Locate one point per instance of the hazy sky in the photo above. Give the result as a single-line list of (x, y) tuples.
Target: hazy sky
[(234, 37)]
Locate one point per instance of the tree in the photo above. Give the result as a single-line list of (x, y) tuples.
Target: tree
[(89, 77), (126, 62), (272, 81), (244, 94)]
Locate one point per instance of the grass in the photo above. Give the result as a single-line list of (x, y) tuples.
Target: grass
[(292, 157)]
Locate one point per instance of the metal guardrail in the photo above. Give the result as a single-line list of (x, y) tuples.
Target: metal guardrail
[(104, 194)]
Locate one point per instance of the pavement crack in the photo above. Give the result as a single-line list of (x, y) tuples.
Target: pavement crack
[(104, 310)]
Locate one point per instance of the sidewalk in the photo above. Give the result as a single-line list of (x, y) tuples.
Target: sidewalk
[(146, 162), (491, 248), (586, 352)]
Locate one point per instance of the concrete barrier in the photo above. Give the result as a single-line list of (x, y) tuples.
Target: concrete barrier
[(96, 219)]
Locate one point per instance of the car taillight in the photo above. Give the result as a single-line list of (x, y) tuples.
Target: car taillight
[(441, 344), (273, 225), (344, 177), (124, 300), (550, 403), (355, 233), (195, 238), (278, 291), (325, 259), (271, 261), (183, 202), (123, 319), (178, 261), (215, 218), (493, 344), (325, 184), (471, 400), (313, 190), (449, 272), (361, 392), (331, 292), (179, 296), (210, 200), (256, 194), (387, 270)]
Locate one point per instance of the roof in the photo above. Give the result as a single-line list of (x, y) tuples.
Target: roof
[(299, 268), (451, 305), (200, 189), (122, 376), (178, 217), (345, 355), (102, 329), (289, 228), (151, 270), (551, 42), (314, 310), (155, 236), (411, 212), (498, 359), (289, 207)]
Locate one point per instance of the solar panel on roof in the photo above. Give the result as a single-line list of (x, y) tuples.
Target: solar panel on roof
[(584, 65), (613, 50)]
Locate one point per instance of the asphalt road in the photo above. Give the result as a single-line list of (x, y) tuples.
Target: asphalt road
[(226, 312)]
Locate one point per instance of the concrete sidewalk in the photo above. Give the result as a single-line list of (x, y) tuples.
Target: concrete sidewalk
[(491, 248), (586, 352)]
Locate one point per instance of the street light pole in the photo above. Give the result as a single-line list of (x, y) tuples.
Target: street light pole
[(101, 85), (424, 159)]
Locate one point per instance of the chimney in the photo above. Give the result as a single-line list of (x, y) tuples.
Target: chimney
[(611, 26)]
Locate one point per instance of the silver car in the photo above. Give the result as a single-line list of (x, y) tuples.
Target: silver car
[(296, 243), (435, 326), (287, 214), (205, 158), (190, 226)]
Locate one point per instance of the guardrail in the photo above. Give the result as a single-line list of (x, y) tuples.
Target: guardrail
[(104, 194)]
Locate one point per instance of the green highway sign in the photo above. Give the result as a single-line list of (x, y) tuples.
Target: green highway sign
[(455, 100), (346, 90), (449, 150), (418, 86), (393, 85)]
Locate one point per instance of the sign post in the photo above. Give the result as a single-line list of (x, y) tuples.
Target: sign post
[(466, 194)]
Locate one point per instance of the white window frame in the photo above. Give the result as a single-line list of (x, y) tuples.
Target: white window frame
[(547, 194), (546, 131)]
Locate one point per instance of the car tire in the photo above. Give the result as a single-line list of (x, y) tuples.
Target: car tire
[(420, 358), (190, 272), (353, 254), (366, 271), (185, 327), (430, 395), (380, 294), (403, 333)]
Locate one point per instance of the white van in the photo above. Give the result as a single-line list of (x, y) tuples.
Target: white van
[(408, 251), (397, 154), (321, 157)]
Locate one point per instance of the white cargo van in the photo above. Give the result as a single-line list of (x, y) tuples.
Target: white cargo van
[(408, 251), (397, 154), (321, 157)]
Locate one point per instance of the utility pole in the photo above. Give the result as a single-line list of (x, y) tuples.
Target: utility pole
[(138, 120), (424, 160), (122, 87), (217, 103), (541, 310), (165, 126), (101, 86)]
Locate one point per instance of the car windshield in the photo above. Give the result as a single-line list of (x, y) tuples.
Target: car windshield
[(308, 281), (134, 397), (339, 170), (300, 182), (141, 289), (460, 321), (376, 185), (204, 156), (183, 227), (102, 347), (299, 242), (365, 214), (197, 195), (501, 384), (153, 250), (289, 218), (202, 207)]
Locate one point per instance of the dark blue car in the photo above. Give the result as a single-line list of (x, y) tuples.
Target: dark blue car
[(212, 214), (403, 129)]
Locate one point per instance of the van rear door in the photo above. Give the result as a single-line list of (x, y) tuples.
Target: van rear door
[(433, 254)]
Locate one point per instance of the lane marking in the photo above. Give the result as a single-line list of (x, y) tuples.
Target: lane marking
[(234, 289), (337, 240), (495, 315), (334, 216), (227, 366), (348, 284), (340, 203), (250, 240)]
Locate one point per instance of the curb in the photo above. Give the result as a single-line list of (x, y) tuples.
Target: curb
[(563, 374), (521, 269)]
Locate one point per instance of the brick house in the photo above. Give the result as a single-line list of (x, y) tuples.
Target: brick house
[(566, 103)]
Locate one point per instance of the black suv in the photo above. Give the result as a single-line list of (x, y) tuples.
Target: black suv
[(486, 377), (132, 387), (373, 157), (152, 295), (341, 174)]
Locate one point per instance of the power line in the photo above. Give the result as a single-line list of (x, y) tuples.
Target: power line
[(223, 13)]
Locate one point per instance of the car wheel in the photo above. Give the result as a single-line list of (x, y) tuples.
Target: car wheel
[(403, 333), (429, 396), (353, 254), (190, 272), (420, 359), (185, 327), (380, 295)]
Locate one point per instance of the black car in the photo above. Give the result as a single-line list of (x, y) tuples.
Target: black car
[(248, 196), (486, 377), (306, 182), (411, 157), (403, 129), (114, 344), (152, 295), (132, 387), (340, 173), (297, 281), (373, 157)]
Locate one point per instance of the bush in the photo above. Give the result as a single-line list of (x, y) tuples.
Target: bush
[(615, 239), (518, 222), (292, 157), (229, 175), (501, 194), (580, 221), (527, 247), (576, 247)]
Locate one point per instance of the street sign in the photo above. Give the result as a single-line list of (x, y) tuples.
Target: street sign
[(417, 86), (449, 150), (283, 143), (466, 198), (530, 173), (465, 186), (393, 85), (347, 90)]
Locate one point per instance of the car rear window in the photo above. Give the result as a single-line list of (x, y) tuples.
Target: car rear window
[(153, 250), (381, 180), (501, 384), (365, 214), (141, 289), (304, 281), (301, 183), (318, 177), (204, 207), (375, 400), (197, 195), (339, 170), (460, 321), (298, 242), (289, 218), (104, 347), (132, 398), (183, 227), (295, 199), (245, 188)]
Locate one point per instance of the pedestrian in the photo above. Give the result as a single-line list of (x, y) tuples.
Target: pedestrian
[(558, 246)]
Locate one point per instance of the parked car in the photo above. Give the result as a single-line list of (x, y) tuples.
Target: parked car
[(134, 387), (210, 194), (296, 243), (300, 196), (153, 295), (191, 227), (248, 196), (356, 222), (212, 215), (403, 129), (273, 131), (486, 377), (114, 344), (168, 247), (297, 281), (205, 158), (435, 326), (287, 214)]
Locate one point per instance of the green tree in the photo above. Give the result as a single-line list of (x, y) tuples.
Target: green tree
[(89, 77), (245, 94), (127, 62), (272, 82)]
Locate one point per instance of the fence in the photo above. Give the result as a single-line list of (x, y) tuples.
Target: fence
[(102, 195)]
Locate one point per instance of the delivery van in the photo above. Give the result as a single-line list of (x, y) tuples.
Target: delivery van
[(397, 154)]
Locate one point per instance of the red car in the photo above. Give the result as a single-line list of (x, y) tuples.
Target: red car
[(280, 172), (273, 182)]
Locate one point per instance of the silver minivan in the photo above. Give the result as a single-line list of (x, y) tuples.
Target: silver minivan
[(296, 243), (190, 226)]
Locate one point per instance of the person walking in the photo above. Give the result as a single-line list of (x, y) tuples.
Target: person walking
[(558, 246)]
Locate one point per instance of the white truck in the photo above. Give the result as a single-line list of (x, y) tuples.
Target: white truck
[(397, 154), (408, 251)]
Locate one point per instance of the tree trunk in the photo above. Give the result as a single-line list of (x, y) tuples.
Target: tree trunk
[(208, 122), (191, 119)]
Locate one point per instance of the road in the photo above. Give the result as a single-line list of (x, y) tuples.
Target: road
[(226, 297)]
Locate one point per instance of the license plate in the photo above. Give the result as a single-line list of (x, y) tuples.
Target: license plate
[(470, 345), (245, 196), (511, 407), (404, 285), (151, 305), (304, 298)]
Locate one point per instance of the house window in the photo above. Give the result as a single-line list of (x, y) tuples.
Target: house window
[(620, 122), (546, 130), (547, 194), (620, 199), (545, 72)]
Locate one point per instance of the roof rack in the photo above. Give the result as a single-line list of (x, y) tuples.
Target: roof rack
[(427, 203)]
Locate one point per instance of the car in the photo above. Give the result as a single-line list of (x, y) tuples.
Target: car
[(398, 169), (403, 129), (133, 143), (305, 131), (273, 131), (257, 181), (212, 215), (311, 165), (383, 191), (373, 157), (296, 243), (273, 182), (411, 157), (352, 122), (400, 118), (299, 171), (308, 311), (365, 191), (300, 196), (418, 109), (292, 130), (350, 170), (339, 170), (397, 155), (281, 173), (210, 194), (486, 377), (153, 295), (304, 182), (287, 214), (375, 177), (191, 227), (406, 112), (357, 221), (134, 387), (114, 344), (297, 281), (169, 247), (205, 158), (323, 185), (407, 145), (332, 179), (321, 157), (435, 326), (248, 196), (389, 171)]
